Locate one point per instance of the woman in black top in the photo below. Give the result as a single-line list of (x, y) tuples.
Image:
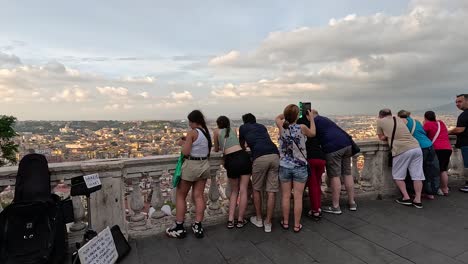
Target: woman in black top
[(316, 159)]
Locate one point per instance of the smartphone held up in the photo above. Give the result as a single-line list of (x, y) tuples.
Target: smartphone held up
[(304, 108)]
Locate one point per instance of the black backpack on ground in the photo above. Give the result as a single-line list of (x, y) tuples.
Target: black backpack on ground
[(32, 228)]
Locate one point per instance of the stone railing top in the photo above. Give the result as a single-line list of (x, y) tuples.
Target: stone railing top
[(67, 170), (372, 145), (114, 167)]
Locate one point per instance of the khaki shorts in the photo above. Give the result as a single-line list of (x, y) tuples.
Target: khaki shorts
[(339, 162), (265, 173), (195, 170)]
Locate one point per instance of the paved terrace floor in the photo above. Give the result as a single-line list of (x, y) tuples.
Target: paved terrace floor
[(379, 232)]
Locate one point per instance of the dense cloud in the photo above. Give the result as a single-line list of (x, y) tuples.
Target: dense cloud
[(7, 60), (353, 64), (64, 93), (419, 56)]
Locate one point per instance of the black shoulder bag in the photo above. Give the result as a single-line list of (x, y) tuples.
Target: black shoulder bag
[(390, 156), (354, 147)]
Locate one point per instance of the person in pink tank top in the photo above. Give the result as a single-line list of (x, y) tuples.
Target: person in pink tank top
[(436, 131)]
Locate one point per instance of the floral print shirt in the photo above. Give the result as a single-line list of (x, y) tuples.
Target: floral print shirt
[(290, 152)]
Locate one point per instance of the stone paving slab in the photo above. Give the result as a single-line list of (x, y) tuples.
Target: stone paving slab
[(381, 231)]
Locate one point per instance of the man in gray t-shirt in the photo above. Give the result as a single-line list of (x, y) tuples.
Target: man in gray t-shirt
[(406, 153)]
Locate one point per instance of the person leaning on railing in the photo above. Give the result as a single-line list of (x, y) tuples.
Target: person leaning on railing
[(337, 145), (436, 131), (430, 161), (238, 167), (265, 157), (196, 147), (316, 158), (406, 153)]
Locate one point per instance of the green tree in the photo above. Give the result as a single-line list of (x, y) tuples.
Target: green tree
[(8, 148)]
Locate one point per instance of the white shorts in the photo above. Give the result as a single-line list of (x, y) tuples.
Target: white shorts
[(411, 160)]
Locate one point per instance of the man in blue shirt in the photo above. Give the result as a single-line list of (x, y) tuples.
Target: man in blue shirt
[(337, 145), (265, 167), (430, 160)]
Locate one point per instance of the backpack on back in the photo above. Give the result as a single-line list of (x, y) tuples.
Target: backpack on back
[(32, 228)]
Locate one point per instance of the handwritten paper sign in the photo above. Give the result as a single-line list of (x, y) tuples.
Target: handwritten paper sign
[(92, 180), (99, 250)]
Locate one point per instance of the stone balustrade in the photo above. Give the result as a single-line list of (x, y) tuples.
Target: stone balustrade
[(137, 194)]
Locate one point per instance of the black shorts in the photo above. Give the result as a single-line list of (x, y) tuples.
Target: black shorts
[(237, 164), (444, 158)]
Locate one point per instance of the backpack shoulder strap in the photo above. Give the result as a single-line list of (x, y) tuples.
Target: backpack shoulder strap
[(297, 145), (414, 126), (437, 133), (393, 133), (208, 138)]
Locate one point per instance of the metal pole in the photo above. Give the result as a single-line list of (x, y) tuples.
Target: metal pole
[(88, 202)]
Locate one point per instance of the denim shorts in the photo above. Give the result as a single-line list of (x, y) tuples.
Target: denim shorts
[(297, 174)]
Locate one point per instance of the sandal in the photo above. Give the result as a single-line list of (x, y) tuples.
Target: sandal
[(283, 225), (230, 224), (241, 224), (297, 229), (315, 215)]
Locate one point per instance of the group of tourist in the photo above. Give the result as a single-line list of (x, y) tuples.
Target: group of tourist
[(420, 153), (309, 144), (306, 146)]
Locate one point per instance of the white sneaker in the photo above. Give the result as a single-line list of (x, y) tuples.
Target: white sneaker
[(267, 228), (256, 222)]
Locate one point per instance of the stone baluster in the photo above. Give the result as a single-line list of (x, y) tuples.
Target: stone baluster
[(156, 199), (79, 214), (228, 190), (456, 164), (191, 203), (355, 170), (214, 207), (7, 195), (138, 219), (174, 199), (78, 227), (367, 171), (225, 190)]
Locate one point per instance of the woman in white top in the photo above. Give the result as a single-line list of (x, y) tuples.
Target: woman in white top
[(196, 148)]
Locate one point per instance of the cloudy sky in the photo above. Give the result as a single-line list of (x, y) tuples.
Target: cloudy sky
[(127, 60)]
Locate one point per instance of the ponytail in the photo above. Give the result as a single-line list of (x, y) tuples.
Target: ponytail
[(224, 123), (197, 116), (228, 130)]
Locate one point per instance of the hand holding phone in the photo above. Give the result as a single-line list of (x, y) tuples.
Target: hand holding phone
[(310, 115)]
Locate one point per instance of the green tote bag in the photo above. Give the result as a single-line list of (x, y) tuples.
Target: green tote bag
[(178, 171)]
